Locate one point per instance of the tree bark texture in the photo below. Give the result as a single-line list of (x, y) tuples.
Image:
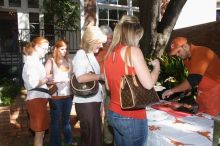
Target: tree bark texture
[(157, 30)]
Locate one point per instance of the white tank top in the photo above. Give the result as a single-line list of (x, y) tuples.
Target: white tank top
[(59, 76)]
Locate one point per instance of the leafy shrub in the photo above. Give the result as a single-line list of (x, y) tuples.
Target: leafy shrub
[(172, 71), (9, 89)]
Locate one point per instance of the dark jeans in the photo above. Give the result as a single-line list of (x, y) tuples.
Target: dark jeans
[(90, 123), (128, 131), (60, 112)]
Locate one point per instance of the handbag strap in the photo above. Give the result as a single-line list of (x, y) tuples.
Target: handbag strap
[(51, 70), (128, 58), (90, 63)]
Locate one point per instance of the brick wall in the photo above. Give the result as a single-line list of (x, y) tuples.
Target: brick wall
[(205, 34)]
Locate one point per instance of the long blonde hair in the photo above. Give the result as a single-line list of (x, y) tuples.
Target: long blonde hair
[(128, 32)]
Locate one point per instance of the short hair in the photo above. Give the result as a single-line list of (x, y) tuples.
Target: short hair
[(176, 43), (106, 29), (91, 35)]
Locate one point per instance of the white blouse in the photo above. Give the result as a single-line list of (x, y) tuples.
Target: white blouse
[(33, 72), (82, 65)]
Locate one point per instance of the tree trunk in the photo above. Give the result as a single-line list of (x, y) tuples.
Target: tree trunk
[(156, 30)]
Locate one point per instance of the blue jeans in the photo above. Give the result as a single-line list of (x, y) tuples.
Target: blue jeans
[(60, 114), (128, 131)]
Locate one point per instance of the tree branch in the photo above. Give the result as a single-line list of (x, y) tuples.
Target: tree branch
[(170, 16)]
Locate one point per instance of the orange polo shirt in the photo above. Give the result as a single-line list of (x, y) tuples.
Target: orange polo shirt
[(205, 62)]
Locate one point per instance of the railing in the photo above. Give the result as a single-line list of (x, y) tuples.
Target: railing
[(11, 49)]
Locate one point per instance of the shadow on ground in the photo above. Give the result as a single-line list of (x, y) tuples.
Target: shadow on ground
[(27, 140)]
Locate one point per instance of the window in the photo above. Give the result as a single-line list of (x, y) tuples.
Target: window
[(135, 3), (110, 11), (117, 2), (110, 16), (218, 15), (49, 29), (8, 32), (14, 3), (218, 5), (122, 2), (1, 2), (33, 3), (34, 25)]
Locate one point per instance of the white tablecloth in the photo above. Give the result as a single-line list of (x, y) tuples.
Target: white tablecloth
[(167, 130)]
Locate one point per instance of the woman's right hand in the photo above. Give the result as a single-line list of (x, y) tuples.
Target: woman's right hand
[(155, 63), (50, 77)]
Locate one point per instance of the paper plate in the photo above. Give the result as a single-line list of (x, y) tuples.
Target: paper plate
[(155, 115), (159, 88)]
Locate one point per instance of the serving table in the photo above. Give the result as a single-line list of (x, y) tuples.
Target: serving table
[(166, 129)]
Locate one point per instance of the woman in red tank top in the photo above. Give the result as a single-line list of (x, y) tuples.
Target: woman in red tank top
[(129, 126)]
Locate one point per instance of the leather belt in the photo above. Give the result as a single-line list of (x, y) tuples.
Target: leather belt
[(61, 97)]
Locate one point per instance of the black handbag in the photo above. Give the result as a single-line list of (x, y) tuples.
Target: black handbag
[(86, 89), (132, 94)]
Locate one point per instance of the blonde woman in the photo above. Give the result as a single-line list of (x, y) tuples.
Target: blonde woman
[(60, 67), (88, 109), (34, 76), (129, 126)]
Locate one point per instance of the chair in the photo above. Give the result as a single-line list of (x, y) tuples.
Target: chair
[(216, 131)]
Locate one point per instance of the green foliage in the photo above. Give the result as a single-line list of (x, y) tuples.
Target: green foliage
[(9, 89), (64, 14), (172, 72)]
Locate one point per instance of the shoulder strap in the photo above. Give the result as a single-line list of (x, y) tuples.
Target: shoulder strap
[(40, 89), (51, 70), (90, 63), (128, 59)]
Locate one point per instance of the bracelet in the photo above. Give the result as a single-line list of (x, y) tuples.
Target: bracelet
[(100, 77)]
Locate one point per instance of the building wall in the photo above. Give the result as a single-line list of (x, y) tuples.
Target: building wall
[(196, 12)]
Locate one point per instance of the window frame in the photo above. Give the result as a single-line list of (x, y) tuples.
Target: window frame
[(108, 7)]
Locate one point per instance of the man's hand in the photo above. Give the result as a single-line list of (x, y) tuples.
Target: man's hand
[(167, 93)]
